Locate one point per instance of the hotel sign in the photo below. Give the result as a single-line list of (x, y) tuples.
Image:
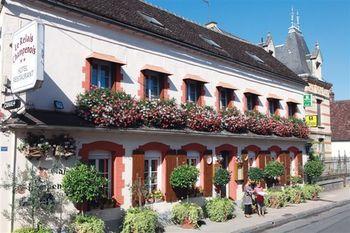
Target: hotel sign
[(27, 57), (311, 120), (307, 100)]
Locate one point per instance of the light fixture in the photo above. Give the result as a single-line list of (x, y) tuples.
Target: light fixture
[(58, 105)]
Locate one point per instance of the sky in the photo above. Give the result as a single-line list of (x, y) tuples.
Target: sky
[(324, 21)]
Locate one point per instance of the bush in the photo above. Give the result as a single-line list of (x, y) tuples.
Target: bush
[(313, 170), (219, 209), (88, 224), (221, 177), (186, 213), (311, 192), (83, 183), (40, 229), (184, 177), (255, 174), (295, 195), (273, 169), (296, 180), (276, 199), (142, 220)]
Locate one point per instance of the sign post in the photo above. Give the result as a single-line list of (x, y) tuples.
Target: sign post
[(27, 57), (307, 100)]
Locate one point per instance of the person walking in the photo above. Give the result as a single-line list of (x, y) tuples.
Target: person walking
[(247, 199), (259, 193)]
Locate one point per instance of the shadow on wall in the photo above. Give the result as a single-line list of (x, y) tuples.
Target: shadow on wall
[(43, 98)]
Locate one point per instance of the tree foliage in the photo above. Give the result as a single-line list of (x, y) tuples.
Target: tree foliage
[(273, 169), (255, 174), (313, 170)]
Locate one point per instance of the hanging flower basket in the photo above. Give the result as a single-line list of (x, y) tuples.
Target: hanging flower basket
[(35, 146), (64, 146)]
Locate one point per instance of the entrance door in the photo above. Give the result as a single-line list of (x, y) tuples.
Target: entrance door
[(224, 165)]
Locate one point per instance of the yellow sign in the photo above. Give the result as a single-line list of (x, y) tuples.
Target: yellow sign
[(311, 120)]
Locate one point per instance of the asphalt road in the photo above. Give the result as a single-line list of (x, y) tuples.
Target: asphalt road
[(336, 220)]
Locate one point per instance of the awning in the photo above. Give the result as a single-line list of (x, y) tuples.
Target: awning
[(273, 96), (194, 78), (226, 85), (290, 100), (156, 69), (106, 57), (252, 91)]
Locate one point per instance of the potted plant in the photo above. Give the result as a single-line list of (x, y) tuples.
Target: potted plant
[(186, 214), (140, 219), (221, 179), (63, 145), (273, 170), (157, 196), (183, 179), (35, 146), (255, 174), (313, 169)]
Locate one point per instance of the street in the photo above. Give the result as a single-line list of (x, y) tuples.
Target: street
[(336, 220)]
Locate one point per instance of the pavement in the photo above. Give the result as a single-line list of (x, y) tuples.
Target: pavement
[(275, 217)]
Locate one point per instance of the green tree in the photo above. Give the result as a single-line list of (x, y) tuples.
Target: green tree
[(255, 174), (273, 170), (313, 169), (221, 178), (83, 183), (183, 179)]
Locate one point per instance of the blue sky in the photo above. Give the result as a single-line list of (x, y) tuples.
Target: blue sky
[(325, 21)]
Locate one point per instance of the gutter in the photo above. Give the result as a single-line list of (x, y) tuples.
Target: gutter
[(134, 28), (152, 131)]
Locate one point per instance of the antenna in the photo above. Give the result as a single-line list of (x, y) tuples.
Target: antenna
[(292, 17), (207, 2), (298, 24)]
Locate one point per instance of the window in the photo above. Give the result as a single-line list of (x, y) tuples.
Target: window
[(209, 41), (225, 97), (101, 74), (152, 170), (292, 109), (251, 101), (319, 102), (151, 19), (193, 89), (193, 159), (152, 87), (102, 163), (254, 57), (273, 106)]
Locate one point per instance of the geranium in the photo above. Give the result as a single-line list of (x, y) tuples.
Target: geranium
[(300, 129), (202, 118), (233, 121), (163, 114), (258, 123), (283, 127)]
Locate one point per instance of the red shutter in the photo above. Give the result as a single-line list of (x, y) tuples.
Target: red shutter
[(208, 176), (138, 169), (299, 158), (170, 162)]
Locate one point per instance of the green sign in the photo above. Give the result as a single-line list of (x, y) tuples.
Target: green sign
[(307, 100)]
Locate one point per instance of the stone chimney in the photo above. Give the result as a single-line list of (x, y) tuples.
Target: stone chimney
[(212, 25)]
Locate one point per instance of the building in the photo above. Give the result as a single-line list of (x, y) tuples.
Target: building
[(149, 53), (340, 161), (296, 55)]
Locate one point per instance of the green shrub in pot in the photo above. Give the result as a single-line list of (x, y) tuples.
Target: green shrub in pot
[(255, 174), (88, 224), (183, 179), (186, 213), (219, 209), (313, 170), (142, 220)]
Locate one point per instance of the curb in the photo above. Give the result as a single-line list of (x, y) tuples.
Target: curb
[(281, 221)]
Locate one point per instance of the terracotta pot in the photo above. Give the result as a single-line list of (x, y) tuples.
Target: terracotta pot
[(187, 224)]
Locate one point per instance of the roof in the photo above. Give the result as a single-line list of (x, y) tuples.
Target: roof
[(340, 120), (294, 53), (131, 14)]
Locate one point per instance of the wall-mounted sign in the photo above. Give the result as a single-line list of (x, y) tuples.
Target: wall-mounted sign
[(311, 120), (307, 100), (3, 148), (27, 57), (11, 104)]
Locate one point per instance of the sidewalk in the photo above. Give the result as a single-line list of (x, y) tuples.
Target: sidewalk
[(274, 217)]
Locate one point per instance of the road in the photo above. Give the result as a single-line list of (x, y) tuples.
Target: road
[(336, 220)]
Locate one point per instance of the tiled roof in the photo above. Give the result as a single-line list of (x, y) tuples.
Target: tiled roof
[(340, 120), (130, 13)]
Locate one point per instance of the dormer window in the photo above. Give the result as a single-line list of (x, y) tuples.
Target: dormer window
[(254, 57), (210, 41), (151, 20), (318, 64)]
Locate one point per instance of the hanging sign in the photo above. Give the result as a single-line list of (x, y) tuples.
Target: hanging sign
[(307, 100), (311, 120), (11, 104), (27, 57)]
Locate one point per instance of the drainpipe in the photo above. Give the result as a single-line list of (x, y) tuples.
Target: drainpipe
[(14, 143)]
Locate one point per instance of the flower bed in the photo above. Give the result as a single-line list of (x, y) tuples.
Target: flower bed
[(106, 108)]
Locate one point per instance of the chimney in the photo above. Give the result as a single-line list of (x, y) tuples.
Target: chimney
[(331, 96)]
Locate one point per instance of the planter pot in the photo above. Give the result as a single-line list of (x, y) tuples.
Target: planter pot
[(187, 224), (33, 153), (61, 153)]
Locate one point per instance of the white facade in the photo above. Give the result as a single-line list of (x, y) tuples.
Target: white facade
[(341, 149), (70, 38)]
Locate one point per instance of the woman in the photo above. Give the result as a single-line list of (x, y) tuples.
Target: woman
[(259, 193), (248, 200)]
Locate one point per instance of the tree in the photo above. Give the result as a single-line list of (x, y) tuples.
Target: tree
[(83, 184), (255, 174), (313, 169), (273, 170), (221, 178), (183, 179)]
